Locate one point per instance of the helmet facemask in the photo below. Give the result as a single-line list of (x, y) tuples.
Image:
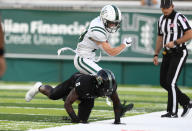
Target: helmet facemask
[(108, 25)]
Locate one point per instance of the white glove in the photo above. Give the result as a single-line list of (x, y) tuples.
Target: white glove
[(127, 41)]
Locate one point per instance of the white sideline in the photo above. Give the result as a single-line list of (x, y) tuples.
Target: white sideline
[(146, 122)]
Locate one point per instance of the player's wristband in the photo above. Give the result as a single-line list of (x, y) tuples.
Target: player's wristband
[(2, 52), (155, 55)]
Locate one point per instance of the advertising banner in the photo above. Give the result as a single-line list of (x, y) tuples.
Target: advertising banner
[(35, 33)]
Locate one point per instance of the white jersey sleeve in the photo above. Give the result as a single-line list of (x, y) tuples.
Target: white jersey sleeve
[(97, 31), (98, 34)]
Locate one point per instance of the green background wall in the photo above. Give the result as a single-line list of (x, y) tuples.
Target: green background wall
[(32, 38), (59, 70)]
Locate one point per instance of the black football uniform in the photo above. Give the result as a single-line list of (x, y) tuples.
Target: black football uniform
[(86, 89)]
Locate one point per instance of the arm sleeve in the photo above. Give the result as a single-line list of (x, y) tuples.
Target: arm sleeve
[(183, 22)]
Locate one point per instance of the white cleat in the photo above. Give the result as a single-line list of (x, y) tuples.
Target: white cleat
[(32, 92)]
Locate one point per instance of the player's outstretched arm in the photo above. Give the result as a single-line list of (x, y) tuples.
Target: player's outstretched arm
[(119, 109), (116, 107), (71, 98)]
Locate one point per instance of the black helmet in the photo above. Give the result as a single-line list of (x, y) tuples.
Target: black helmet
[(106, 82)]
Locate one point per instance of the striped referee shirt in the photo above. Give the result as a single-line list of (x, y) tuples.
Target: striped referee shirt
[(172, 27)]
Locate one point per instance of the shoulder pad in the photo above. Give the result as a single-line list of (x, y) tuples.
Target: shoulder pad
[(98, 33)]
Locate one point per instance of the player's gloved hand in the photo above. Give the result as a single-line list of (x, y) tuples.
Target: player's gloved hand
[(125, 108), (75, 121), (127, 41), (117, 121), (74, 118)]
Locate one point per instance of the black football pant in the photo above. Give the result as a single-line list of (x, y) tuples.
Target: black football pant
[(170, 70), (62, 90)]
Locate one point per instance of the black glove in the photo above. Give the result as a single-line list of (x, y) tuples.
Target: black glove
[(117, 121), (74, 118), (125, 108), (75, 121)]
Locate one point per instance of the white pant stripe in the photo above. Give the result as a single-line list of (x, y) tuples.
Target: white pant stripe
[(175, 78), (86, 66)]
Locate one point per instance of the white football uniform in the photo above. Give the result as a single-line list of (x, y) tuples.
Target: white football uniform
[(84, 60)]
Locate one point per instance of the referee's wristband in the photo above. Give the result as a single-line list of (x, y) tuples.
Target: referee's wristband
[(155, 55), (2, 52), (175, 42)]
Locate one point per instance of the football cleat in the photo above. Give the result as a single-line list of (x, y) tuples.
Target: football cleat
[(186, 109), (32, 92)]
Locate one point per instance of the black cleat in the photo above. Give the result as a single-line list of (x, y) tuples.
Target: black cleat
[(186, 109), (170, 115)]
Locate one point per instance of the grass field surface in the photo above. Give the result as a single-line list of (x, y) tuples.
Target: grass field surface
[(18, 115)]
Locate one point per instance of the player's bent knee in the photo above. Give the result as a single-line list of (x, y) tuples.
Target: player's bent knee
[(48, 91)]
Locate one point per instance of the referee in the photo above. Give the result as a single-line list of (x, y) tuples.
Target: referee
[(173, 31)]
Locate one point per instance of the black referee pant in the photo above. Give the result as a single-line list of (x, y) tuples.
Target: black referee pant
[(172, 64)]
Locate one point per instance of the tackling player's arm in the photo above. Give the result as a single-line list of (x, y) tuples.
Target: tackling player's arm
[(119, 109), (116, 107), (108, 49), (71, 98)]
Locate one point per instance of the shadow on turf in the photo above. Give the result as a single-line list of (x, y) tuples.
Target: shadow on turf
[(34, 118), (43, 118), (48, 106)]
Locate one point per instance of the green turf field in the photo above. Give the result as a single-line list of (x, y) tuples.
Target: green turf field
[(17, 115)]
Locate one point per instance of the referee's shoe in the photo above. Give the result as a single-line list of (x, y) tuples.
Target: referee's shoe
[(170, 115), (186, 109)]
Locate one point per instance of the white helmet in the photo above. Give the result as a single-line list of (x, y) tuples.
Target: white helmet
[(110, 14)]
